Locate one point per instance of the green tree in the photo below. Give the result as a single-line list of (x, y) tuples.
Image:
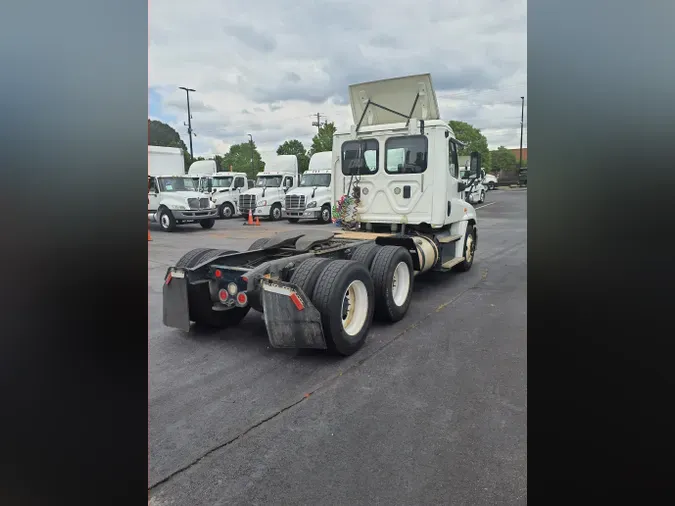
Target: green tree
[(239, 157), (504, 159), (295, 147), (474, 140), (323, 141), (161, 134)]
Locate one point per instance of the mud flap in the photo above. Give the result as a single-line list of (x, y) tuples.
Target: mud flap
[(291, 319), (176, 311)]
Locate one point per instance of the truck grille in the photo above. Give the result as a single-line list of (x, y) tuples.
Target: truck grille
[(246, 202), (202, 203), (295, 202)]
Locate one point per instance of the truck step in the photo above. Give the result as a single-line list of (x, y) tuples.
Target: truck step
[(447, 239), (452, 262)]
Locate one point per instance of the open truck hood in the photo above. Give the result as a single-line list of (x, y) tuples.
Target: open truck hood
[(392, 93)]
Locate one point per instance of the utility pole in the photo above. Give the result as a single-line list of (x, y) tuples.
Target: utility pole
[(250, 137), (318, 123), (189, 123), (522, 117)]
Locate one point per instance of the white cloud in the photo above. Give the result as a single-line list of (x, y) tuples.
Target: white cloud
[(266, 67)]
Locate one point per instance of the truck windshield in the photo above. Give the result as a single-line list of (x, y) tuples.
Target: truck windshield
[(222, 182), (176, 184), (315, 180), (271, 181)]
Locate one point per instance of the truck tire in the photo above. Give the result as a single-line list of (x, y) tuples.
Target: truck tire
[(207, 223), (325, 215), (293, 220), (258, 243), (226, 210), (275, 212), (481, 199), (307, 274), (192, 257), (491, 186), (365, 254), (469, 248), (344, 297), (393, 275), (166, 220), (212, 253), (202, 314)]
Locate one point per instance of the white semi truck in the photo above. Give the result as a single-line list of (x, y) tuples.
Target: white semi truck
[(173, 197), (266, 198), (321, 288), (312, 198), (201, 172), (476, 192), (226, 188)]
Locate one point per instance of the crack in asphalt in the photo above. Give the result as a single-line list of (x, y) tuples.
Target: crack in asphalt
[(335, 377)]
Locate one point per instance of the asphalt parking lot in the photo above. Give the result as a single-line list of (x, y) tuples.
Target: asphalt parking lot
[(432, 410)]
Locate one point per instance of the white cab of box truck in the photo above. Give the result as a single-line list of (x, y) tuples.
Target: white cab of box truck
[(266, 198), (226, 188), (173, 197), (312, 198)]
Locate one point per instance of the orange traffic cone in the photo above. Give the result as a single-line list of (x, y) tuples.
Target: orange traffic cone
[(250, 218), (149, 238), (257, 221)]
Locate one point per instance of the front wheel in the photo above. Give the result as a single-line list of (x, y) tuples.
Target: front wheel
[(226, 210), (491, 186), (208, 223), (275, 212), (166, 220), (482, 197), (469, 249), (325, 216)]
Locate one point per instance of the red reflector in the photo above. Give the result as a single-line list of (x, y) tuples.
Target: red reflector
[(244, 279), (168, 279), (222, 294), (298, 303), (242, 298), (218, 273)]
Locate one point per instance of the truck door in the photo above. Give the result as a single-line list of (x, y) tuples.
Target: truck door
[(153, 194)]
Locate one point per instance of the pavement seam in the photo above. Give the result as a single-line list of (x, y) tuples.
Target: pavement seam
[(320, 386), (223, 445)]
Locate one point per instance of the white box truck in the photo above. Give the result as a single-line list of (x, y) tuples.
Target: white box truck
[(266, 198), (173, 197), (312, 198), (320, 287)]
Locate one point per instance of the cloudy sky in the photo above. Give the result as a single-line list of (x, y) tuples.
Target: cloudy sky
[(265, 67)]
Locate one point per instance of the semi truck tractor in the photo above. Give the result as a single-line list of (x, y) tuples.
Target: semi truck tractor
[(397, 187), (312, 198), (266, 198)]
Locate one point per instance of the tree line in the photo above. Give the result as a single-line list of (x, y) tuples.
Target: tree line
[(244, 157)]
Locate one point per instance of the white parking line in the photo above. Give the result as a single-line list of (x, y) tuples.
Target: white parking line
[(481, 207)]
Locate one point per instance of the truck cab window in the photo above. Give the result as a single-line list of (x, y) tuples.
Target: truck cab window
[(239, 182), (288, 182), (360, 158), (152, 185), (406, 155), (454, 161)]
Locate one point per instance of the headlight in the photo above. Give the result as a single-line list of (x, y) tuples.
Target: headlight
[(177, 207), (261, 203), (311, 204)]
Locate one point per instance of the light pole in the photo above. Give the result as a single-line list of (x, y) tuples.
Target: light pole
[(189, 123), (522, 117), (250, 137)]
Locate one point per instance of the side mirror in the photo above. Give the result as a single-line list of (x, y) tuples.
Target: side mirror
[(461, 186), (475, 164)]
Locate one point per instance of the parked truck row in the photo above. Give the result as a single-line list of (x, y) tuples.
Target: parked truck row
[(321, 288)]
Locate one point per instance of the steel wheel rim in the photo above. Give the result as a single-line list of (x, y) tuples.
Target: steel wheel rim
[(354, 308), (469, 248), (164, 220), (325, 214), (400, 283), (276, 212), (227, 212)]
